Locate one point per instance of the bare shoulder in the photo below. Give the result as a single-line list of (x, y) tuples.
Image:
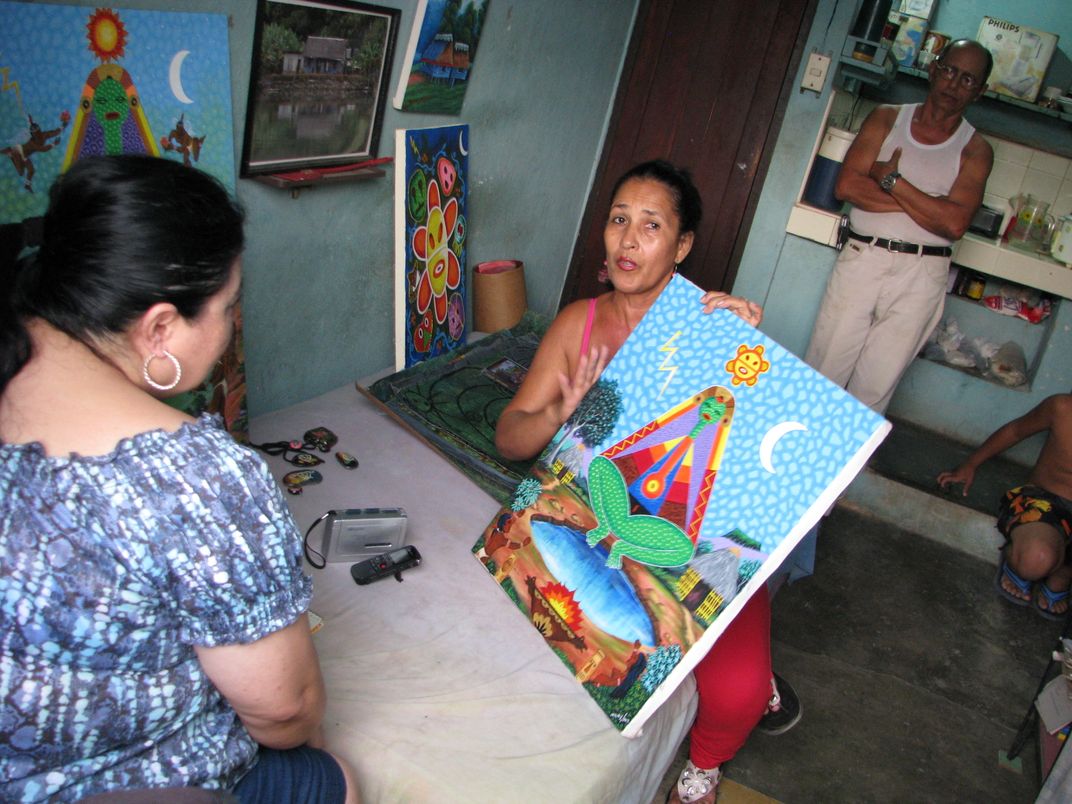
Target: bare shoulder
[(886, 112), (568, 325), (563, 337), (978, 148), (882, 118), (575, 313), (876, 126), (1059, 407), (1053, 413)]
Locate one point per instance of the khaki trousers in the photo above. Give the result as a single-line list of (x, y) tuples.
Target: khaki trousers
[(877, 312)]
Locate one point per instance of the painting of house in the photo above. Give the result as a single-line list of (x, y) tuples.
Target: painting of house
[(445, 60), (324, 55), (318, 84), (440, 55)]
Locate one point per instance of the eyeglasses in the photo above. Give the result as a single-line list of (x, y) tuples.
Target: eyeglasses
[(950, 73)]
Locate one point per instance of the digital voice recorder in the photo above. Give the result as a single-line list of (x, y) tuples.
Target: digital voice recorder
[(383, 566)]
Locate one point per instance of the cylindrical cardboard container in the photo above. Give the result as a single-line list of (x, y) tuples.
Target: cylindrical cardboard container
[(499, 298)]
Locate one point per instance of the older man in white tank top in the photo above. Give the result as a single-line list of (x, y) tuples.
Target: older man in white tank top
[(914, 176)]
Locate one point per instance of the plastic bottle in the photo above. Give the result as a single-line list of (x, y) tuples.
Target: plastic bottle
[(819, 190)]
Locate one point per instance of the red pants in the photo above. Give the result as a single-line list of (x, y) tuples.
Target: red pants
[(734, 682)]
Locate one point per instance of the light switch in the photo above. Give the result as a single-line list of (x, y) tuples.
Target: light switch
[(815, 72)]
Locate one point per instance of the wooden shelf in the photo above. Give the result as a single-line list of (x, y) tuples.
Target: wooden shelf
[(307, 179), (298, 180)]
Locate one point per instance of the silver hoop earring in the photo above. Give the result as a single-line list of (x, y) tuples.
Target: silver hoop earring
[(153, 383)]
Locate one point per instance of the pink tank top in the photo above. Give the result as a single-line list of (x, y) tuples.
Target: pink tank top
[(587, 336)]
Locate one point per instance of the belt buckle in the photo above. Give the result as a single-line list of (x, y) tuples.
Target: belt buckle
[(899, 247)]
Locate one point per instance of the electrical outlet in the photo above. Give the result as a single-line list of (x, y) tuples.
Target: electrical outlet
[(815, 72)]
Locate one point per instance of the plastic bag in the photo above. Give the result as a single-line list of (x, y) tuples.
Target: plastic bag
[(1008, 365), (1010, 305), (947, 344)]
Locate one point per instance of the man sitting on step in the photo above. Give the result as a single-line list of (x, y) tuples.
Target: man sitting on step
[(1036, 518)]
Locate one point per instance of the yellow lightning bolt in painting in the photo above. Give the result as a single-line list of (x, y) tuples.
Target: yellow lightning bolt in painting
[(671, 350)]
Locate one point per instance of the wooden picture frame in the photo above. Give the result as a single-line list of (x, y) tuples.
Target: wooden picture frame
[(318, 84)]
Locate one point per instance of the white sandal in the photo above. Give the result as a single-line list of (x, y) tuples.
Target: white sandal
[(697, 783)]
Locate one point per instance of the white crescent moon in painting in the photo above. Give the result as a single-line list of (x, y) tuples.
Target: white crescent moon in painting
[(771, 439), (175, 76), (461, 144)]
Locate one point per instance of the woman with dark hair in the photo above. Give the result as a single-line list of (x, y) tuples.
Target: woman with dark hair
[(649, 231), (152, 601)]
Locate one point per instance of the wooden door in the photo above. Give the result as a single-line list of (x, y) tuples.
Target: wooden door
[(706, 88)]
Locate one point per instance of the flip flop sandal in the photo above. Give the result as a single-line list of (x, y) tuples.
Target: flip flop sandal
[(1052, 598), (1004, 571)]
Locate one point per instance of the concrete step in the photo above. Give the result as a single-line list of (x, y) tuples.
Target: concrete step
[(924, 514)]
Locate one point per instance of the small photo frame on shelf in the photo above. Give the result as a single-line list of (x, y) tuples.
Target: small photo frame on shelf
[(318, 84)]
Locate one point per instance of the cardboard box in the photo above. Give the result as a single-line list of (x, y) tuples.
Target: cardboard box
[(909, 38), (917, 8), (1021, 57)]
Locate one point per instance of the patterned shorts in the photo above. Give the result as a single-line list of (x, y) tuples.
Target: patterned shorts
[(1025, 504)]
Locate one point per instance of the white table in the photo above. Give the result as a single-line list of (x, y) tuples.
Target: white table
[(439, 690)]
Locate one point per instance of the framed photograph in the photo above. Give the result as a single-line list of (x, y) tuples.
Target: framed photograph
[(318, 84)]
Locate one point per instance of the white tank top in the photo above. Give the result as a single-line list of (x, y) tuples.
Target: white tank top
[(930, 168)]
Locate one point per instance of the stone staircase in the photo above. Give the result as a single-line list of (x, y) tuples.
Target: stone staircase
[(898, 486)]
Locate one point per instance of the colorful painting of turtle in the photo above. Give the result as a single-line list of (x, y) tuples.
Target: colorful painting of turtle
[(667, 499)]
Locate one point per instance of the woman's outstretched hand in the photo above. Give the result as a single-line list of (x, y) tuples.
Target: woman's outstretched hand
[(589, 367), (747, 310)]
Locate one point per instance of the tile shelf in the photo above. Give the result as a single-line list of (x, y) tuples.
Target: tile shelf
[(993, 257), (998, 258)]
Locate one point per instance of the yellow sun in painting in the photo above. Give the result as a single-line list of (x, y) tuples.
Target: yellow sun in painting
[(106, 34), (560, 599)]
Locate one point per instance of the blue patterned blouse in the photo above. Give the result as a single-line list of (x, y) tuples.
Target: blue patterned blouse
[(112, 568)]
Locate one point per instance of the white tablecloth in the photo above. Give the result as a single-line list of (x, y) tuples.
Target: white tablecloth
[(438, 688)]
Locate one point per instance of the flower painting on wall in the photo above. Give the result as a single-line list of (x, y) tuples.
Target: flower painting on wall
[(432, 167)]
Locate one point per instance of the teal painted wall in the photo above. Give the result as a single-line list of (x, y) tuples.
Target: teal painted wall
[(788, 274), (318, 284)]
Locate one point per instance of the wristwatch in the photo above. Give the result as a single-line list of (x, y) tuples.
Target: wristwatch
[(889, 180)]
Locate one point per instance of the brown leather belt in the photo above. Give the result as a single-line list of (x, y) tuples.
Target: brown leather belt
[(900, 247)]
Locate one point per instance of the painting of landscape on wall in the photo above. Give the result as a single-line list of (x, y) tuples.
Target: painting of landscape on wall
[(440, 57)]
